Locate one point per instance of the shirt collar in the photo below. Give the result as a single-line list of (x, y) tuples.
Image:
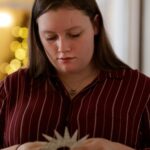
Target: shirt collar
[(112, 74)]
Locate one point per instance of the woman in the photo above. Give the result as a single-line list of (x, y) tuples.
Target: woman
[(74, 80)]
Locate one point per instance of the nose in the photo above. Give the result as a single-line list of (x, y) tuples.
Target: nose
[(63, 45)]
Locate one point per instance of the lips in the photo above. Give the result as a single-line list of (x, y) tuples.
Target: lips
[(66, 59)]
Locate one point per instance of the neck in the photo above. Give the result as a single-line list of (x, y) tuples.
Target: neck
[(75, 82)]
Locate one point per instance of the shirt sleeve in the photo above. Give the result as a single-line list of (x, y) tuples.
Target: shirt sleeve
[(146, 126), (2, 111)]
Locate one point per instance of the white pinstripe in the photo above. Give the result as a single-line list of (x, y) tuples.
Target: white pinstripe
[(103, 129), (40, 116), (96, 110), (30, 120), (122, 106), (25, 110), (129, 108), (113, 107)]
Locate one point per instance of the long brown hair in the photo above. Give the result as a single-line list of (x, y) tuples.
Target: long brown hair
[(104, 56)]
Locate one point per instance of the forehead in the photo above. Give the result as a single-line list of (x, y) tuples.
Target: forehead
[(62, 18)]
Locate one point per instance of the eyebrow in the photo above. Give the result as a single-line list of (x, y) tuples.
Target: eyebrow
[(72, 28)]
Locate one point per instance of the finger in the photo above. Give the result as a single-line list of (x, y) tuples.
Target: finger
[(80, 148), (32, 145), (95, 144)]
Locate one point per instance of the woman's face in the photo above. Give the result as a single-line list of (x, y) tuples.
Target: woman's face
[(67, 36)]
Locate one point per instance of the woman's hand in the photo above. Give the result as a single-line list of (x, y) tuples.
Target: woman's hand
[(32, 146), (101, 144)]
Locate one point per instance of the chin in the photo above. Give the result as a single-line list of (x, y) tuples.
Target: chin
[(68, 71)]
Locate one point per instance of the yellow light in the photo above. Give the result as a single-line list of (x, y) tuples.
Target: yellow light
[(5, 19), (3, 66), (15, 64), (15, 45), (23, 32), (25, 62), (15, 31), (20, 54), (25, 44), (8, 69)]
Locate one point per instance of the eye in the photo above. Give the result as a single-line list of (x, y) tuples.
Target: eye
[(51, 38), (74, 35)]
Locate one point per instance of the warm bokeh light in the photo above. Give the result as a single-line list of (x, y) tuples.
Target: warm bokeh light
[(24, 44), (20, 53), (25, 62), (15, 64), (8, 69), (6, 19), (15, 45), (15, 31), (3, 66), (14, 20), (23, 32)]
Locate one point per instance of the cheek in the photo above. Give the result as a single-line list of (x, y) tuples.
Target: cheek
[(49, 48), (87, 44), (50, 53), (46, 45)]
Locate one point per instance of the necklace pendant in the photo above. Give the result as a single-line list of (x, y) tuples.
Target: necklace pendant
[(72, 92)]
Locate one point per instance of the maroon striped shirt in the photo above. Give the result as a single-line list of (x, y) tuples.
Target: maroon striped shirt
[(115, 106)]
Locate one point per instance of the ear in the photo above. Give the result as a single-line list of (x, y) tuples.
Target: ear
[(96, 24)]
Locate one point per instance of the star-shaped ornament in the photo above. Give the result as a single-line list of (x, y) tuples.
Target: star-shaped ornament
[(66, 141)]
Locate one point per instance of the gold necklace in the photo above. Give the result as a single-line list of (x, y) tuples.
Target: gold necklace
[(73, 92)]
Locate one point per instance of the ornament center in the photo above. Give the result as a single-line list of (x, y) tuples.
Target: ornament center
[(64, 148)]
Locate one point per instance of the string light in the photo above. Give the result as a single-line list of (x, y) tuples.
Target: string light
[(15, 31), (15, 64), (5, 19), (25, 62), (3, 66), (20, 50), (8, 69), (23, 32), (15, 45), (20, 54), (24, 44)]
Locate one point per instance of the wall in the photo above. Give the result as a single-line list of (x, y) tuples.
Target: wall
[(121, 19), (146, 38)]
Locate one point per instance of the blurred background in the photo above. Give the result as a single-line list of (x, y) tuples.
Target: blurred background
[(14, 20), (127, 23)]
